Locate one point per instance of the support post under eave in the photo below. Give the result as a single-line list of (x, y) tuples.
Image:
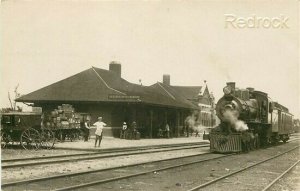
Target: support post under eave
[(166, 117), (177, 123), (151, 120)]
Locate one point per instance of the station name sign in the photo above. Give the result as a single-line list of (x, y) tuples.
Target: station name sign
[(124, 97)]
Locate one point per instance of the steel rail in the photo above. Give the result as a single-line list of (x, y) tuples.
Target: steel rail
[(97, 157), (97, 170), (132, 147), (104, 151), (238, 171), (137, 174), (282, 174)]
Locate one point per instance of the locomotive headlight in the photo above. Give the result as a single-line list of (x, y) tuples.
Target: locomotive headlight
[(227, 90)]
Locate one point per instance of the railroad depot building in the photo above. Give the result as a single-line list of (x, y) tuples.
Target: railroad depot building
[(105, 93)]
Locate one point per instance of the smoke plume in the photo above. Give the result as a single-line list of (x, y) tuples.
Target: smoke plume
[(231, 116), (194, 124)]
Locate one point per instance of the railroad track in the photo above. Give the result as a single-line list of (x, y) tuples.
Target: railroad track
[(23, 162), (280, 176), (98, 183), (109, 175), (110, 150), (64, 179), (234, 173)]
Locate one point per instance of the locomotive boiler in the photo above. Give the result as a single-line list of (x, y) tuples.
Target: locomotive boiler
[(249, 120)]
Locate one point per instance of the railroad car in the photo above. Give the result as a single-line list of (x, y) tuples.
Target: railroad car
[(249, 119)]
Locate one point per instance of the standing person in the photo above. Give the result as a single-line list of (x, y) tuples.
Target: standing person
[(87, 126), (134, 130), (167, 129), (160, 133), (124, 128), (99, 130)]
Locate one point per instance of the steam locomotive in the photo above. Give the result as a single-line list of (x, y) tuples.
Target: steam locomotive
[(249, 120)]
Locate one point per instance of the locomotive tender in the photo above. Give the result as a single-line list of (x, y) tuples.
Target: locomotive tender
[(249, 119)]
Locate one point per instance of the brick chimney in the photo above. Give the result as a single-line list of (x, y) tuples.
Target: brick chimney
[(166, 79), (115, 67)]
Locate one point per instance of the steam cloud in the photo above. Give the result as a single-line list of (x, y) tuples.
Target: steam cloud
[(195, 125), (231, 116)]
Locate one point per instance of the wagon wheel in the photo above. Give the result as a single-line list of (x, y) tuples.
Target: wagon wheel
[(72, 135), (30, 139), (60, 136), (5, 139), (47, 139), (285, 140), (81, 134), (77, 134)]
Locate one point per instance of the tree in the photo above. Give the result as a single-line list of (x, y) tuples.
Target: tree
[(13, 104)]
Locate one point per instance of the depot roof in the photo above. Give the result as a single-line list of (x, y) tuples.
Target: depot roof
[(99, 85)]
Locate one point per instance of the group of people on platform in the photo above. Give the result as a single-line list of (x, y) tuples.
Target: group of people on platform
[(164, 133), (129, 133), (98, 133), (126, 133)]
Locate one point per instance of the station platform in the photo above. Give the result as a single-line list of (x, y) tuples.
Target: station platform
[(117, 143)]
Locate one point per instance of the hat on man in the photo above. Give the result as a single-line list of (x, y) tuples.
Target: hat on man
[(99, 117), (124, 123)]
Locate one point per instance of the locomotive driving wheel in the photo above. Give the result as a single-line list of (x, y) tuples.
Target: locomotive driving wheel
[(30, 139), (47, 139)]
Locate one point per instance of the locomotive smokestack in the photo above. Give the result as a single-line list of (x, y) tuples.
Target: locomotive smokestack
[(231, 84)]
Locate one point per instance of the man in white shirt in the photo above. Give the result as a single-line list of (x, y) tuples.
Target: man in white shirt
[(123, 131), (167, 129), (99, 129)]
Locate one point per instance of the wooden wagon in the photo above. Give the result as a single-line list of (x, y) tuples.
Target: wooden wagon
[(25, 128), (65, 122)]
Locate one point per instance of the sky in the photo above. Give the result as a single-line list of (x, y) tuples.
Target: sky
[(43, 42)]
